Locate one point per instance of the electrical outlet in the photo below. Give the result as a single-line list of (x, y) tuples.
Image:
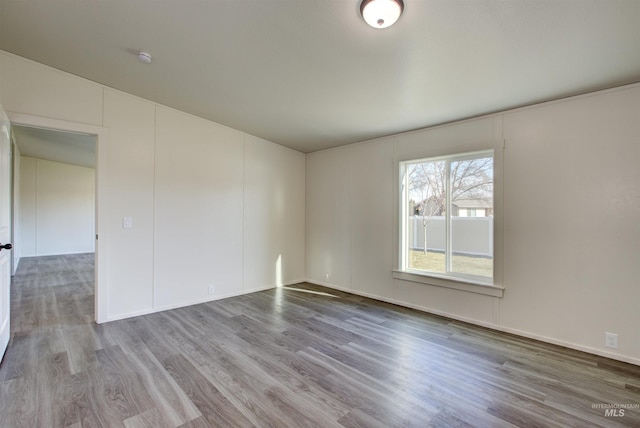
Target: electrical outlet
[(611, 340), (127, 222), (212, 289)]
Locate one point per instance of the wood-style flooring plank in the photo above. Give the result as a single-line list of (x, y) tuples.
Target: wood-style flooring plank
[(123, 385), (212, 404), (152, 418), (171, 403)]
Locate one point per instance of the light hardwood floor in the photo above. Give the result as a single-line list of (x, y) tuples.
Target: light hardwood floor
[(299, 356)]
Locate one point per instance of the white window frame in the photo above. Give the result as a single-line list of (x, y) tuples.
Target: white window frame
[(459, 281)]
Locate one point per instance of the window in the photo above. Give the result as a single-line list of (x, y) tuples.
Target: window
[(447, 221)]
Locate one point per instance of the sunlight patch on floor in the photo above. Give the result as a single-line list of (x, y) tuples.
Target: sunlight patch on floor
[(320, 293)]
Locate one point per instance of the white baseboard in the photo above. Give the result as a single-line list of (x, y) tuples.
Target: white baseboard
[(32, 256), (197, 301), (528, 335)]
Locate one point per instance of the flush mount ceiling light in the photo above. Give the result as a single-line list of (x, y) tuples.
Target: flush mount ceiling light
[(381, 13), (144, 57)]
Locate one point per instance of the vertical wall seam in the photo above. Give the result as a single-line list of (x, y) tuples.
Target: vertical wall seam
[(101, 298), (351, 219), (153, 209), (503, 251), (304, 219), (244, 196), (395, 219), (36, 206)]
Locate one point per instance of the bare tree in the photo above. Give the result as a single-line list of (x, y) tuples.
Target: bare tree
[(469, 179)]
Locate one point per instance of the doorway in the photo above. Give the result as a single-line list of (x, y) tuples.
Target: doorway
[(59, 142), (54, 193)]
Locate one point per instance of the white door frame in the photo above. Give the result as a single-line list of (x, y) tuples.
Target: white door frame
[(101, 254), (5, 234)]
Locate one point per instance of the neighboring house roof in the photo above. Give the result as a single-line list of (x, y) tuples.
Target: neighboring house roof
[(473, 203)]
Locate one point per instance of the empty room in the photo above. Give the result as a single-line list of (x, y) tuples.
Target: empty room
[(329, 213)]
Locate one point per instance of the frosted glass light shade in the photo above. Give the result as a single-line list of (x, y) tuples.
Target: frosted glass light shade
[(381, 13)]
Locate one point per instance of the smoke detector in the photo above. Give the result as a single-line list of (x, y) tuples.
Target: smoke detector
[(144, 57)]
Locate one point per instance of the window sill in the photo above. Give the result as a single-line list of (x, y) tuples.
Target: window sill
[(447, 282)]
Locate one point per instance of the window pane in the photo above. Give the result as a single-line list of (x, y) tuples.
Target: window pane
[(426, 226), (471, 182)]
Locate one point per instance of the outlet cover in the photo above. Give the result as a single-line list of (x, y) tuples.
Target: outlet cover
[(212, 289), (611, 340)]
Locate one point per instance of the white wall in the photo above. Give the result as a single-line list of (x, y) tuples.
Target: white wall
[(131, 154), (190, 187), (198, 209), (567, 280), (17, 233), (274, 183), (57, 208), (26, 198)]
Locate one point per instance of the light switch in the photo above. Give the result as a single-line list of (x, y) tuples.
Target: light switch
[(127, 222)]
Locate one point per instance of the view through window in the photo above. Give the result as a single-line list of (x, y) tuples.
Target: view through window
[(448, 216)]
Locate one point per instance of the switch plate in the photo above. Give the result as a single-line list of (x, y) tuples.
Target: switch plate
[(127, 222)]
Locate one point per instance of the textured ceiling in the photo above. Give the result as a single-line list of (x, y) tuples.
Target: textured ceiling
[(312, 75)]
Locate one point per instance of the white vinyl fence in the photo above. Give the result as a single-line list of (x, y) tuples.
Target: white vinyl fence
[(469, 235)]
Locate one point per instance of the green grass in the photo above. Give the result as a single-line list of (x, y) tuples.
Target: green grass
[(435, 262)]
